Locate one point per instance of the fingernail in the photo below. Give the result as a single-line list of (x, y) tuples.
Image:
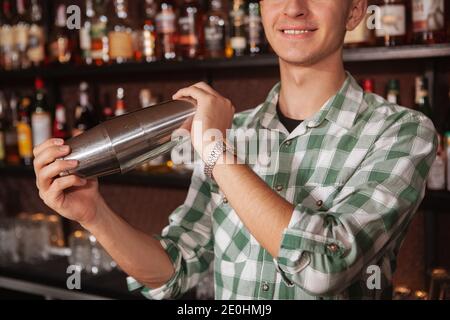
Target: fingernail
[(64, 148), (58, 142), (73, 163)]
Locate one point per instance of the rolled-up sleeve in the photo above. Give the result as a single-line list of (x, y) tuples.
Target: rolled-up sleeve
[(322, 251), (188, 242)]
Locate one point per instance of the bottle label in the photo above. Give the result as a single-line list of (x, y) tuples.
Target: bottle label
[(393, 20), (214, 38), (42, 130), (85, 38), (428, 15), (120, 45), (98, 30), (21, 32), (238, 43), (36, 50), (25, 142), (60, 50), (187, 31), (6, 37), (148, 44), (2, 146), (165, 22)]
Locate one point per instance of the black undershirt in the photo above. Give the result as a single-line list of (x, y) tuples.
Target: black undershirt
[(289, 124)]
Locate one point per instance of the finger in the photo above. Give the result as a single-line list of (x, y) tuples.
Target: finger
[(188, 99), (195, 93), (47, 144), (59, 185), (204, 86), (49, 155), (48, 173)]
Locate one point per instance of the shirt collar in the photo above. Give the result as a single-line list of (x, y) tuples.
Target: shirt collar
[(341, 109)]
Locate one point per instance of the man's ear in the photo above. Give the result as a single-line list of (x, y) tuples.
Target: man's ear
[(356, 13)]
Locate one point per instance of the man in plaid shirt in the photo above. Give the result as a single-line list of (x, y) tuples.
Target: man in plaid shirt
[(318, 202)]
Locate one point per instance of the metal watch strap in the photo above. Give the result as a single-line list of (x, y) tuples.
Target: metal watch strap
[(219, 148)]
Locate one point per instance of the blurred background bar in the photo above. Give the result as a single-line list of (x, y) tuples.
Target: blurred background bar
[(58, 79)]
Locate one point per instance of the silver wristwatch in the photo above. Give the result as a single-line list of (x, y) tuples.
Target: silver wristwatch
[(219, 149)]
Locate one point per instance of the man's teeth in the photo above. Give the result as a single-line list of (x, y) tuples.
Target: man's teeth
[(295, 31)]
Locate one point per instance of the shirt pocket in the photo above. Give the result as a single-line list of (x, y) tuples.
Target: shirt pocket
[(232, 240), (318, 197)]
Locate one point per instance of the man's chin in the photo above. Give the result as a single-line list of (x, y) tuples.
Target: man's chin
[(304, 61)]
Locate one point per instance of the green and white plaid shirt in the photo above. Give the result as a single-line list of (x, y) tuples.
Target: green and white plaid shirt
[(355, 172)]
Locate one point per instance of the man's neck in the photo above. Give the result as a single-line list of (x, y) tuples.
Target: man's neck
[(305, 89)]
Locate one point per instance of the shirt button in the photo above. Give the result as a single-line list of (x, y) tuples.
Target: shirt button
[(319, 203), (333, 247), (265, 287), (279, 188), (225, 200), (288, 143)]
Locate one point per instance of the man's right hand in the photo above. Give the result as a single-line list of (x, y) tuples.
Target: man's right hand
[(72, 197)]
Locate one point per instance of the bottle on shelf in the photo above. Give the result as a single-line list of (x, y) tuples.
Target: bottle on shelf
[(256, 38), (238, 39), (216, 29), (99, 34), (166, 30), (60, 41), (147, 98), (3, 128), (85, 116), (361, 36), (21, 31), (60, 127), (428, 18), (393, 91), (36, 36), (392, 29), (447, 157), (11, 138), (8, 54), (24, 132), (121, 108), (436, 178), (85, 33), (107, 110), (41, 120), (120, 34), (422, 98), (368, 85), (190, 30), (147, 35)]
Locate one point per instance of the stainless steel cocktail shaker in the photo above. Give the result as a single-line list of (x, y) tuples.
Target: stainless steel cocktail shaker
[(121, 144)]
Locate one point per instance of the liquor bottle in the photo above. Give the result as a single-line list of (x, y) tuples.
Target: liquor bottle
[(256, 38), (147, 99), (147, 38), (422, 98), (361, 36), (24, 133), (85, 117), (11, 138), (447, 156), (190, 34), (238, 40), (8, 53), (393, 91), (120, 103), (392, 30), (436, 177), (60, 42), (85, 33), (107, 111), (3, 129), (167, 30), (99, 34), (120, 34), (368, 85), (41, 120), (36, 36), (428, 18), (60, 128), (21, 31), (216, 27)]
